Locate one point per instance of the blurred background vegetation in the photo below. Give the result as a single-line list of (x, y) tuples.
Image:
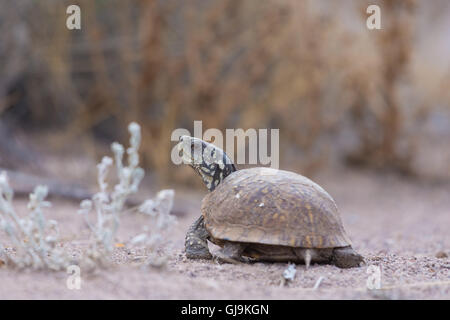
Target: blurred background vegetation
[(339, 93)]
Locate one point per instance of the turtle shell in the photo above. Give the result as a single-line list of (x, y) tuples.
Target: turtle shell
[(276, 207)]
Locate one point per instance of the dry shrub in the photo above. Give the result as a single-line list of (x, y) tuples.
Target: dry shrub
[(231, 64), (378, 113), (292, 65)]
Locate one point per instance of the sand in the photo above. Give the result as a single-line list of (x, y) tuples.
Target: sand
[(400, 226)]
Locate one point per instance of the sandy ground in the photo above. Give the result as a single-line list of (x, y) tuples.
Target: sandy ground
[(397, 225)]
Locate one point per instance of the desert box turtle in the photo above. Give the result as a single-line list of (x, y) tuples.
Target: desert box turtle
[(263, 214)]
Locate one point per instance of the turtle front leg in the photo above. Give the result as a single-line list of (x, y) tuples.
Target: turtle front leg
[(196, 244), (231, 252)]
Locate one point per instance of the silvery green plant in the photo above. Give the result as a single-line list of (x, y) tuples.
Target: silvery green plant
[(158, 210), (108, 204), (34, 238)]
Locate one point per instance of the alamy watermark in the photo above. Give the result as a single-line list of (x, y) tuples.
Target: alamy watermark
[(257, 144), (374, 279), (73, 21), (374, 20), (73, 281)]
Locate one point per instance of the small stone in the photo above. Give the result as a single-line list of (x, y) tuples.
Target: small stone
[(289, 272)]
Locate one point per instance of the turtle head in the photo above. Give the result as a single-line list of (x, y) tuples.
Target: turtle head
[(209, 161)]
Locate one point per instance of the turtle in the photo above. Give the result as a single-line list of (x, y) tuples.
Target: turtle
[(262, 214)]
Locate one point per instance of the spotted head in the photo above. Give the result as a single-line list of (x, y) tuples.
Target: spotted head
[(209, 161)]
